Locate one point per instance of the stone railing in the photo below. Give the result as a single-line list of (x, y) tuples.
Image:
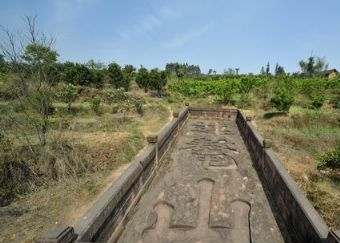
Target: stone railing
[(107, 218), (299, 216)]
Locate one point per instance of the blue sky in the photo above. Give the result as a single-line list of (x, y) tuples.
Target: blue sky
[(214, 34)]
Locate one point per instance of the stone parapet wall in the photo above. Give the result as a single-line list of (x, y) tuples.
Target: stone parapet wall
[(299, 216), (108, 216), (105, 221)]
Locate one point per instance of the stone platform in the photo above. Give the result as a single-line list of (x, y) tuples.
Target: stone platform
[(207, 176), (206, 190)]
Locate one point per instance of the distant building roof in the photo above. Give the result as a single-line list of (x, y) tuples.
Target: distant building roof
[(330, 71)]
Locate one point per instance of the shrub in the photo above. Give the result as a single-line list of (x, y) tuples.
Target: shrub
[(225, 90), (139, 106), (95, 104), (317, 100), (245, 100), (330, 159), (315, 90), (123, 100), (282, 100), (67, 94)]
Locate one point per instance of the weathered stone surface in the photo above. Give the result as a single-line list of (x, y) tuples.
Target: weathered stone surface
[(206, 191), (333, 236), (58, 234), (297, 214)]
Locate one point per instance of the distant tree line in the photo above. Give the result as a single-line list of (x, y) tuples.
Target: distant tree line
[(182, 70), (94, 74)]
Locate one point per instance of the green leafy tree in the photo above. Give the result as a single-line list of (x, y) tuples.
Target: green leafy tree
[(230, 72), (142, 79), (279, 70), (282, 100), (34, 78), (91, 64), (157, 80), (181, 70), (315, 90), (226, 89), (79, 74), (129, 72), (313, 66), (116, 77), (245, 86)]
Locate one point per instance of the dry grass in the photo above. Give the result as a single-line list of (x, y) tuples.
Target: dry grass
[(111, 141), (297, 139)]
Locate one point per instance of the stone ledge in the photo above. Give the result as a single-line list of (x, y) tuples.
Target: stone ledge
[(333, 236), (310, 227), (58, 234), (89, 225)]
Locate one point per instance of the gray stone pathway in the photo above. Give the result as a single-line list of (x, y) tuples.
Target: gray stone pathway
[(205, 191)]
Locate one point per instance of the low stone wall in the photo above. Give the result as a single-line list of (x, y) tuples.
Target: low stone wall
[(300, 218), (228, 114), (108, 216)]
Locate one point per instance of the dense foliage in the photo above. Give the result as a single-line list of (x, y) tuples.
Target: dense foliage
[(151, 80), (330, 159), (116, 77), (79, 74)]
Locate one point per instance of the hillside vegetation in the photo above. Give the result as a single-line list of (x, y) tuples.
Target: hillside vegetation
[(67, 130)]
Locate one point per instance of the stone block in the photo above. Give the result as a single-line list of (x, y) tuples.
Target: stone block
[(152, 138), (59, 234), (267, 143)]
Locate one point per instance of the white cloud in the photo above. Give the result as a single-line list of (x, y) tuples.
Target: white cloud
[(185, 37)]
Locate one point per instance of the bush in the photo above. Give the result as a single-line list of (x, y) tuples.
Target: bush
[(282, 100), (95, 104), (68, 94), (330, 159), (139, 106), (26, 167), (225, 90), (317, 100), (335, 101), (245, 100), (123, 100)]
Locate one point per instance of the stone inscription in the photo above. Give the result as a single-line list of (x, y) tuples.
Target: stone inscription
[(160, 229), (214, 152)]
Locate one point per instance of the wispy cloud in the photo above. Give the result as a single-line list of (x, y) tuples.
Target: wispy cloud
[(181, 39), (64, 11), (157, 19), (146, 24)]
